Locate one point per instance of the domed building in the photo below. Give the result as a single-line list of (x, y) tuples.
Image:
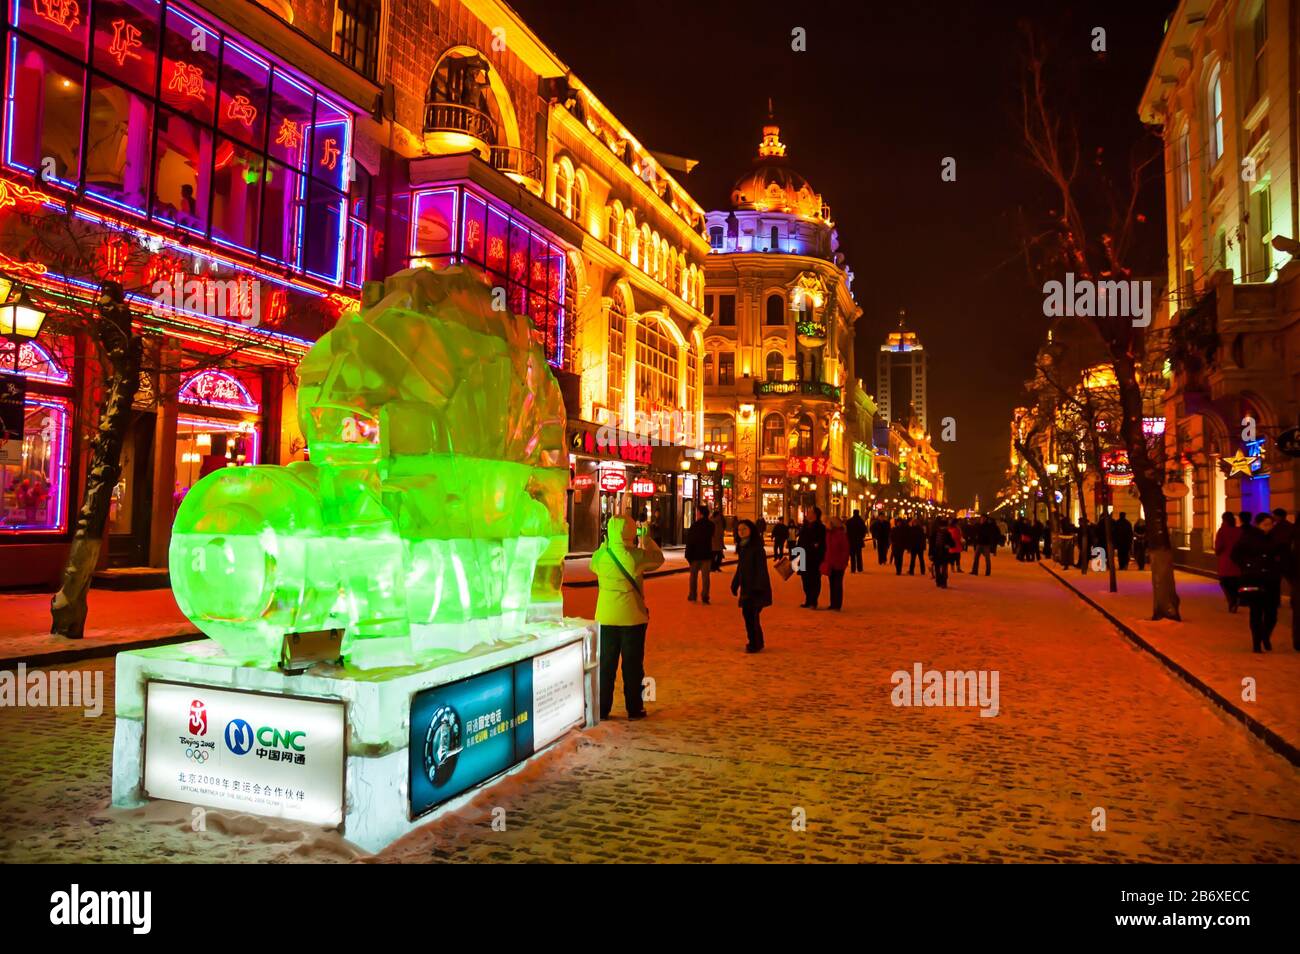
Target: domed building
[(778, 365)]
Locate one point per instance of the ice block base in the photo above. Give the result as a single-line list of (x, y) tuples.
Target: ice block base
[(378, 766)]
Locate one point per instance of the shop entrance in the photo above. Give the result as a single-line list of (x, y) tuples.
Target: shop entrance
[(131, 506)]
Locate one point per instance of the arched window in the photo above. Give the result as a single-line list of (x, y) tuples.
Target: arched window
[(615, 368), (775, 240), (804, 437), (647, 249), (774, 434), (1215, 104), (580, 199), (775, 310), (775, 366), (615, 236), (656, 369), (715, 236), (564, 187), (1183, 164)]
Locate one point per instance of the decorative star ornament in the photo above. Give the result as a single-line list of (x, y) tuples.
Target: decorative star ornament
[(1239, 464)]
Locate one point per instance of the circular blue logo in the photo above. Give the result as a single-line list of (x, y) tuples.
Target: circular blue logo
[(239, 736)]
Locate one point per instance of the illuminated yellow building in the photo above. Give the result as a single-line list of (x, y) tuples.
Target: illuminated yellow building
[(779, 346)]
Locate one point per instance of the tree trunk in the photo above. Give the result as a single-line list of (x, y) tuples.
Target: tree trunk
[(121, 350), (1148, 474), (1160, 551)]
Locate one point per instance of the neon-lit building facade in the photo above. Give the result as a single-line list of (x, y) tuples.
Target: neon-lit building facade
[(301, 147), (199, 160)]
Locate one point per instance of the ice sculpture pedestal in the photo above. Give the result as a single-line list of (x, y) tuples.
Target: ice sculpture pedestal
[(218, 721)]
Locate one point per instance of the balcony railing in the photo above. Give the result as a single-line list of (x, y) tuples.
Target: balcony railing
[(453, 117), (809, 388), (512, 160)]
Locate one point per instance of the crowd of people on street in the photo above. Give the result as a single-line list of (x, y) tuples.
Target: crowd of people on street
[(812, 548), (1254, 555)]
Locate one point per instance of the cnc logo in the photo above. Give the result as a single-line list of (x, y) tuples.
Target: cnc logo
[(198, 718), (239, 736)]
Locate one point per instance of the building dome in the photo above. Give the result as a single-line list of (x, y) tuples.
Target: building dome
[(772, 185)]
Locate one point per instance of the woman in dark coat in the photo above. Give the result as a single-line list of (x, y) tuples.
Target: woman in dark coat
[(1260, 558), (751, 582)]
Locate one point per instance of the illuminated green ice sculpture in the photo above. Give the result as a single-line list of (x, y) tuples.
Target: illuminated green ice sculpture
[(432, 512)]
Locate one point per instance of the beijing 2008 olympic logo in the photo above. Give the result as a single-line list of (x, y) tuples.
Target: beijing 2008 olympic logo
[(198, 753), (198, 718), (442, 745)]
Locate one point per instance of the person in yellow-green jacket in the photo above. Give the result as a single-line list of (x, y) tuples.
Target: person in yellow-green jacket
[(620, 566)]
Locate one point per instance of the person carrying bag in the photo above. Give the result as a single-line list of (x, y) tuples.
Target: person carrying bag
[(619, 566)]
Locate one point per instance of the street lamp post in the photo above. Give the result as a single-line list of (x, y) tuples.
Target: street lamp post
[(20, 321)]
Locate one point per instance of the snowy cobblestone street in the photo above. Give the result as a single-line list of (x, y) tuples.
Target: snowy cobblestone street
[(738, 748)]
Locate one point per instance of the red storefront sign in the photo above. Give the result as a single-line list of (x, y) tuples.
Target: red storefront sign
[(584, 482), (643, 487), (613, 482), (812, 466), (624, 446)]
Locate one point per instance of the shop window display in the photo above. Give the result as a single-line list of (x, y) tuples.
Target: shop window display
[(34, 469), (34, 474), (455, 225)]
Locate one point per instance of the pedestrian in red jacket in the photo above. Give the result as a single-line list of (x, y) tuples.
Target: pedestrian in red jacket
[(836, 560)]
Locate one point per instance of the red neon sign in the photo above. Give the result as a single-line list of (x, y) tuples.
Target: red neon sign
[(584, 482), (242, 110), (330, 154), (64, 13), (125, 39), (187, 80), (613, 482), (812, 466), (643, 487), (290, 134)]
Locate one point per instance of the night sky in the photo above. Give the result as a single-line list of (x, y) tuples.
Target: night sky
[(884, 92)]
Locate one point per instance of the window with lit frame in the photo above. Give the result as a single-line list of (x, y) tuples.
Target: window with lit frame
[(656, 369), (147, 108), (455, 225)]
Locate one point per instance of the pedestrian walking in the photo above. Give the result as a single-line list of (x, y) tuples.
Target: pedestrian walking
[(917, 541), (780, 533), (880, 536), (620, 565), (699, 554), (1225, 540), (1122, 538), (719, 538), (1140, 543), (1261, 560), (899, 538), (760, 525), (954, 530), (940, 553), (812, 540), (856, 528), (838, 554), (751, 584)]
